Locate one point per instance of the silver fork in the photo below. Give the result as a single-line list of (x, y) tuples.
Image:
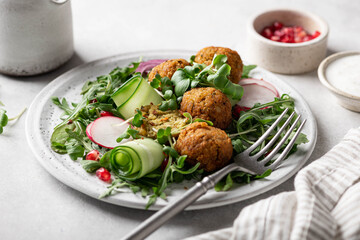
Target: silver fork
[(242, 162)]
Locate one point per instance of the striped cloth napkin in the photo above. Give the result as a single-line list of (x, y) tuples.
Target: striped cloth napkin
[(324, 205)]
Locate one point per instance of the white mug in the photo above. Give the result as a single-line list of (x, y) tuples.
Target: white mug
[(36, 36)]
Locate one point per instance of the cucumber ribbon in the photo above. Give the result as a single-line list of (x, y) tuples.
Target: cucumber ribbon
[(135, 159)]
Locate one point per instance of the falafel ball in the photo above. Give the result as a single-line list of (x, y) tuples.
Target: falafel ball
[(168, 68), (206, 56), (209, 104), (209, 146)]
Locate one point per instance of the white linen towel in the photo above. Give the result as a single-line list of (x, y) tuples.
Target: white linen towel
[(324, 205)]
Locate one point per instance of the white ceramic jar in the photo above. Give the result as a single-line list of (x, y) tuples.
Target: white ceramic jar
[(36, 36), (287, 58)]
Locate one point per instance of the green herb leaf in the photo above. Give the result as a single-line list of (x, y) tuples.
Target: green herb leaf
[(181, 161), (181, 87), (3, 118), (188, 116), (163, 135), (210, 123), (171, 152), (219, 61), (168, 94), (74, 149), (105, 160), (59, 138), (138, 119), (130, 132), (90, 166), (156, 82), (264, 175), (170, 104), (246, 70)]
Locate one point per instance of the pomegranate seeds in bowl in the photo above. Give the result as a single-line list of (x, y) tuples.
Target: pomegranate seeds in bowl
[(287, 34)]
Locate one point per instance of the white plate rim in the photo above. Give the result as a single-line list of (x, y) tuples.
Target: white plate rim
[(41, 154)]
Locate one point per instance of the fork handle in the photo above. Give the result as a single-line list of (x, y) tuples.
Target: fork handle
[(170, 210)]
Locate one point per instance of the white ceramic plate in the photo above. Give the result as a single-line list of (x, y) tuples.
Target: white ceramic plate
[(43, 116)]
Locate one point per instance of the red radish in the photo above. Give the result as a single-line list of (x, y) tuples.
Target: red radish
[(104, 114), (88, 131), (105, 130), (260, 82), (103, 174), (93, 155), (255, 93)]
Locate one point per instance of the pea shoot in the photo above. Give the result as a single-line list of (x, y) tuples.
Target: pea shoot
[(4, 119)]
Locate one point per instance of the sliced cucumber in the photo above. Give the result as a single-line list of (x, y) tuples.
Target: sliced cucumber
[(135, 159), (136, 92), (126, 91)]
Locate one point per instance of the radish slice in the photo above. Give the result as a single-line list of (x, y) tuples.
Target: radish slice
[(105, 130), (260, 82), (255, 93), (88, 131)]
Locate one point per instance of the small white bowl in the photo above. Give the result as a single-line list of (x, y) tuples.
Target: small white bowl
[(345, 99), (287, 58)]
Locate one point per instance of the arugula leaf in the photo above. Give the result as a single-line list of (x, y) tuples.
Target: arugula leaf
[(80, 137), (90, 166), (246, 70), (62, 105), (101, 89), (74, 149)]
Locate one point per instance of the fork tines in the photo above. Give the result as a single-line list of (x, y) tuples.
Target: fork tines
[(278, 146)]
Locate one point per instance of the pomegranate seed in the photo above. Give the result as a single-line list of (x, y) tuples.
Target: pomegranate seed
[(316, 34), (164, 164), (93, 100), (287, 39), (278, 25), (267, 33), (105, 114), (93, 155), (238, 109), (279, 33), (287, 34), (103, 174), (298, 39), (302, 34), (306, 38), (298, 29), (275, 38), (288, 30)]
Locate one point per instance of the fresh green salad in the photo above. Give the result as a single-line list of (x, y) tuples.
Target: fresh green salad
[(109, 130)]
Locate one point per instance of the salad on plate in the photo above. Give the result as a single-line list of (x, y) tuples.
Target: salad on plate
[(165, 121)]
